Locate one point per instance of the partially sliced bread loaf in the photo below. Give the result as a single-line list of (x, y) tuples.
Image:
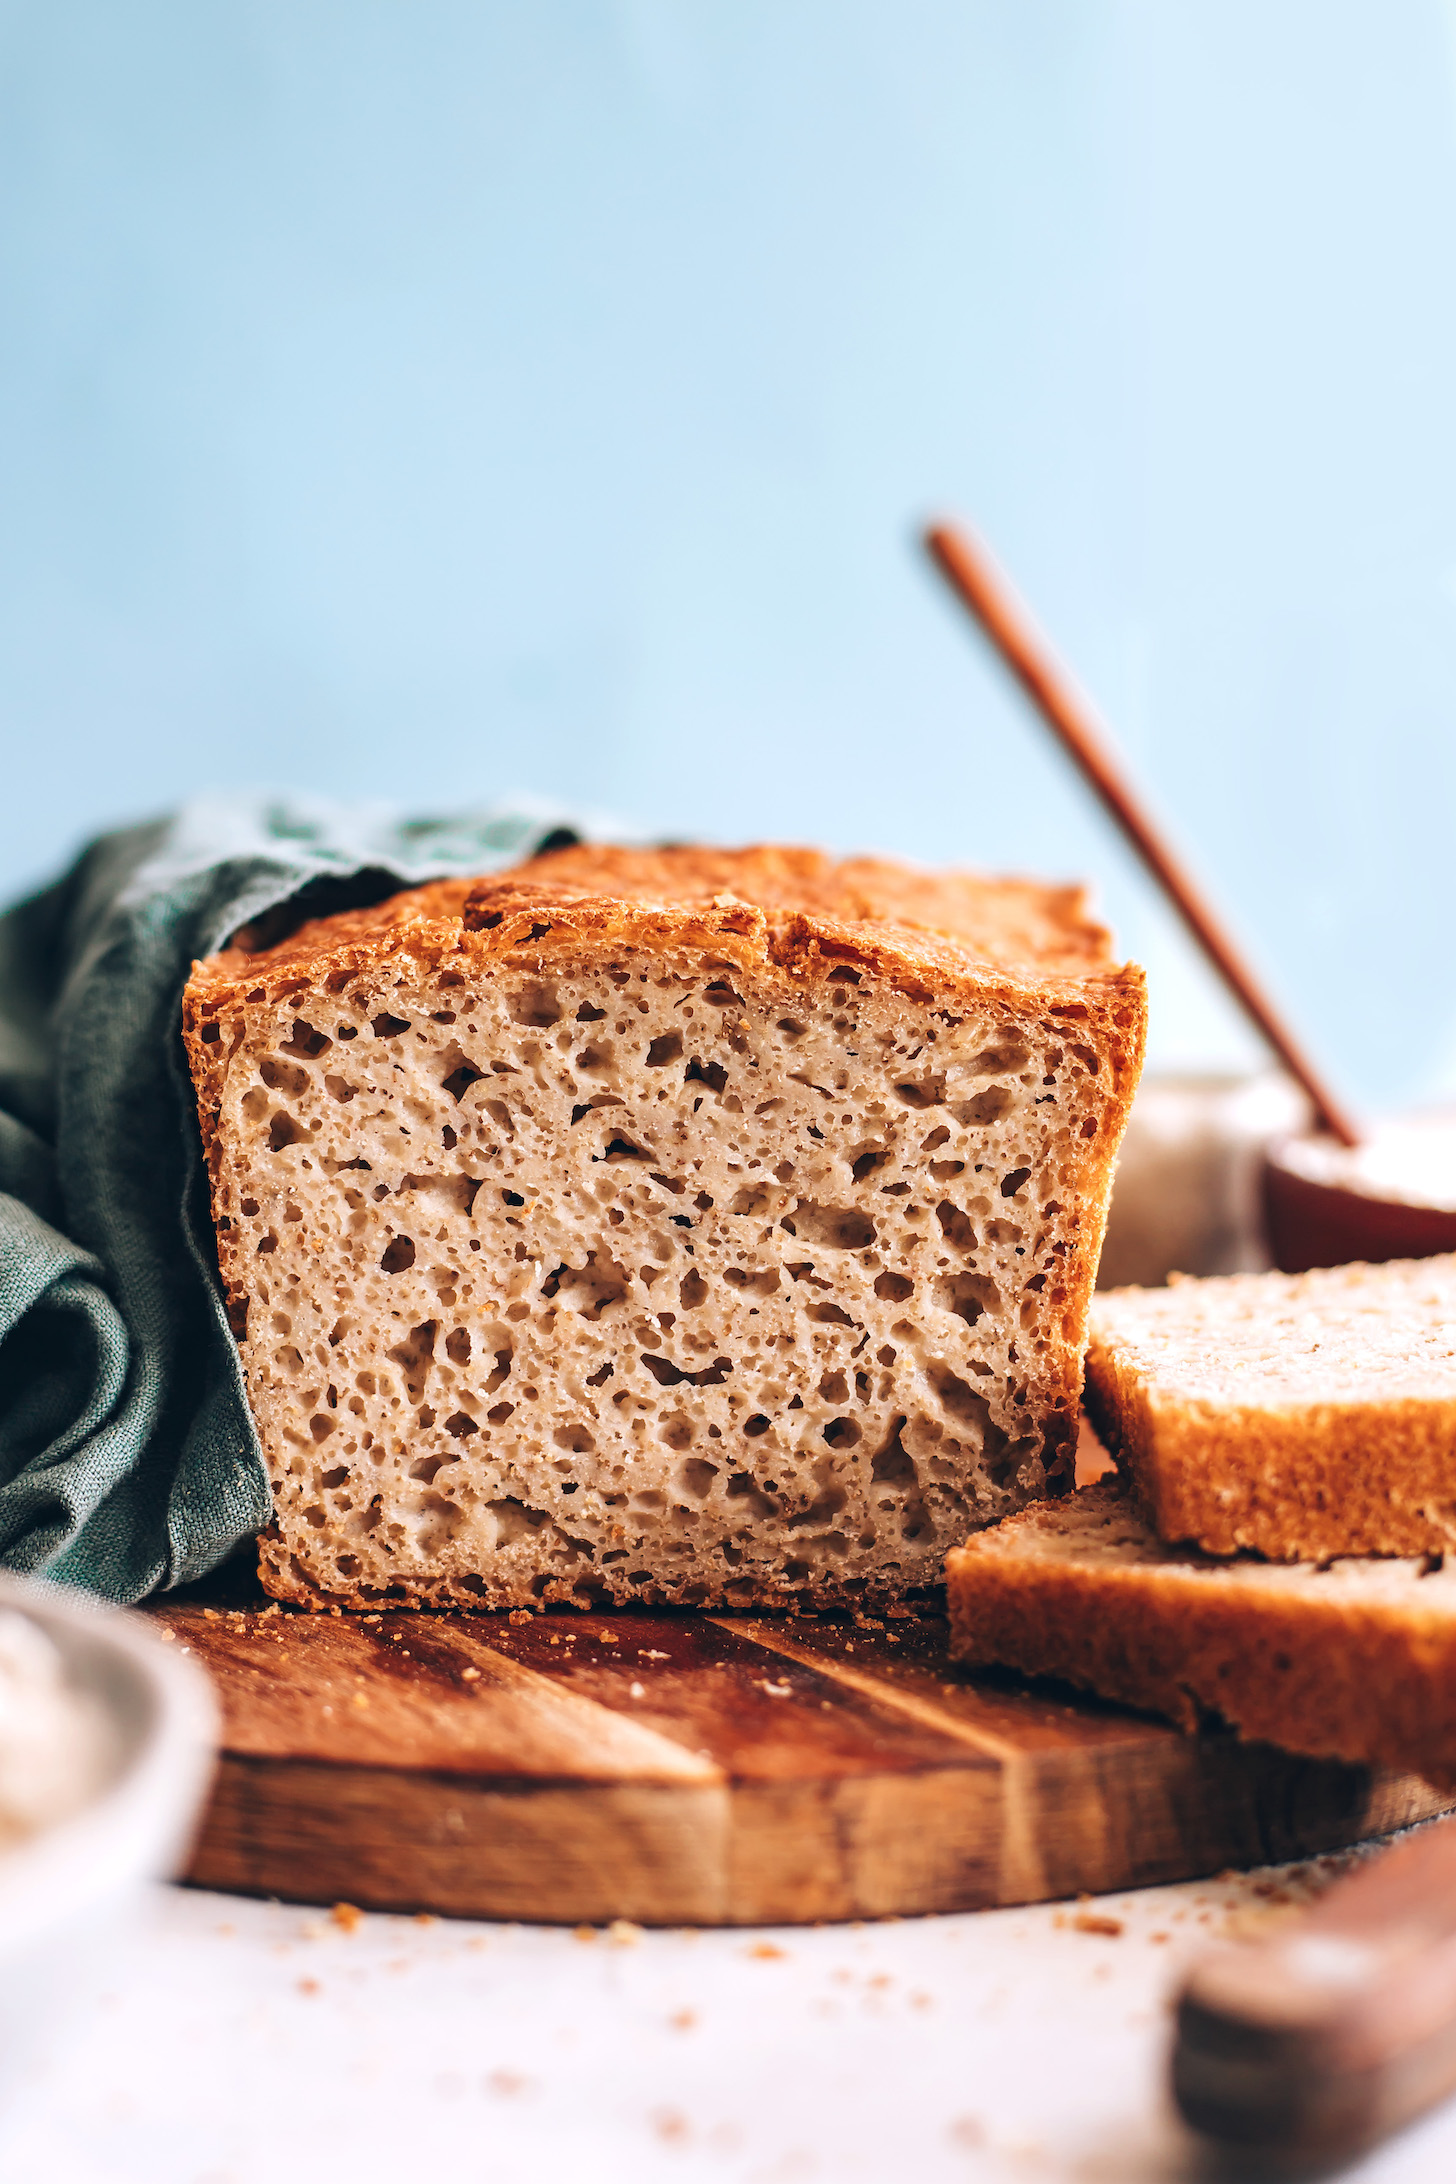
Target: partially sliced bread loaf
[(1303, 1415), (1352, 1660), (676, 1226)]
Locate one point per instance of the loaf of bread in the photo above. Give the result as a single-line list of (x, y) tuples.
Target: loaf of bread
[(1302, 1415), (679, 1226), (1353, 1660)]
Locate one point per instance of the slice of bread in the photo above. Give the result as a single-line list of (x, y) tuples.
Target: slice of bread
[(1352, 1660), (675, 1226), (1302, 1415)]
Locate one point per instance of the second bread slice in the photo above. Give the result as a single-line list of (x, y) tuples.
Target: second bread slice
[(1353, 1661), (1302, 1416)]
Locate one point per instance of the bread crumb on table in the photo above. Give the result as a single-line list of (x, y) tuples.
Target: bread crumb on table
[(1093, 1922)]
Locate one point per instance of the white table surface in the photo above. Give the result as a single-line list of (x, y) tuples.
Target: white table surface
[(236, 2042)]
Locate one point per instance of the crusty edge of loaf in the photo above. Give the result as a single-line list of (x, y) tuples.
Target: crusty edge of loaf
[(1372, 1683), (779, 878), (1307, 1483), (281, 1581), (918, 961)]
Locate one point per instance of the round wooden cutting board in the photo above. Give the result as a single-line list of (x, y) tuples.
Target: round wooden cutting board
[(709, 1770)]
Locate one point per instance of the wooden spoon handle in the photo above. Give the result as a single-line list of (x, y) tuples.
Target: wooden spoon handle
[(1341, 2026), (979, 584)]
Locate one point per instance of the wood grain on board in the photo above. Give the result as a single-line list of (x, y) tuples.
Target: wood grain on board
[(705, 1770)]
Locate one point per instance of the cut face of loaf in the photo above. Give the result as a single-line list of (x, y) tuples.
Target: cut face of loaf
[(606, 1236), (1355, 1660), (1301, 1415)]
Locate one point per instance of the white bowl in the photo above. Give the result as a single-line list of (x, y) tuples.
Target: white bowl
[(67, 1891)]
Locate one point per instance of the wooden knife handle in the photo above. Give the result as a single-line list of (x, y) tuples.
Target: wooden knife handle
[(1340, 2026)]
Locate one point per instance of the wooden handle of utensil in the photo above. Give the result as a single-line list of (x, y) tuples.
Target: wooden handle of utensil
[(1340, 2026), (973, 576)]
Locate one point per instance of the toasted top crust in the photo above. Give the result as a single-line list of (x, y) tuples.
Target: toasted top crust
[(1006, 921), (930, 932)]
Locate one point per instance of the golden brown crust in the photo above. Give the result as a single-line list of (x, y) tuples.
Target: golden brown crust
[(1002, 920), (439, 901), (1011, 922), (1359, 1665), (1051, 965)]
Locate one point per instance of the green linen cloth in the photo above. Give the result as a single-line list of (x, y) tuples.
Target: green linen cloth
[(128, 1458)]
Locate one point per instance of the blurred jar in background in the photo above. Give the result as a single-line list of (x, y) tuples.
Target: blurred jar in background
[(1187, 1193)]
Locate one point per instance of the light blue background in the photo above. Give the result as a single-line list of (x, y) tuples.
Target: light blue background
[(438, 397)]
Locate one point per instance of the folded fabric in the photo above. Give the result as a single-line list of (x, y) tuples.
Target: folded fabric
[(128, 1459)]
